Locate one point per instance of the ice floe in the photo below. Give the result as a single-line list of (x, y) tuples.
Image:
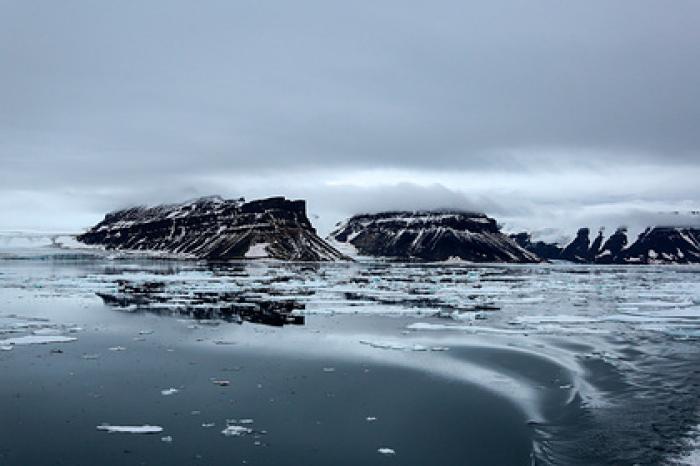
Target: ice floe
[(36, 340), (236, 431), (465, 328), (386, 451), (393, 345), (538, 319), (144, 429)]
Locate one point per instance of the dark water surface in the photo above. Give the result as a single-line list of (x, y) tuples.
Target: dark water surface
[(443, 364)]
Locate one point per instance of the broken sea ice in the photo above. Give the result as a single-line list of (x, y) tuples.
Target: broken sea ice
[(236, 431)]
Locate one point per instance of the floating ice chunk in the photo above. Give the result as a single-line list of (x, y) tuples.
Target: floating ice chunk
[(6, 347), (221, 383), (466, 316), (648, 318), (468, 328), (660, 304), (145, 332), (208, 424), (439, 348), (688, 312), (539, 319), (236, 431), (370, 419), (224, 342), (36, 340), (562, 329), (91, 356), (169, 391), (398, 346), (117, 348), (144, 429), (167, 439), (46, 331), (230, 422), (384, 344), (329, 369), (386, 451)]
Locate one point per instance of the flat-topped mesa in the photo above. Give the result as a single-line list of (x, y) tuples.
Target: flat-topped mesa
[(216, 229), (430, 235)]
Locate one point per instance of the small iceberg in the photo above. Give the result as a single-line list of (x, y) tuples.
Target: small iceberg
[(236, 431), (144, 429), (386, 451)]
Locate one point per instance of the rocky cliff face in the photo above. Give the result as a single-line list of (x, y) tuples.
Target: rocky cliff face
[(216, 229), (664, 245), (542, 249), (656, 245), (612, 248), (579, 249), (431, 236)]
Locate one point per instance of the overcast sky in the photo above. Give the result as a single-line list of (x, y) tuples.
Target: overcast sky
[(540, 113)]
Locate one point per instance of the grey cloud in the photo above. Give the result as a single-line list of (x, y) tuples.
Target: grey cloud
[(140, 101)]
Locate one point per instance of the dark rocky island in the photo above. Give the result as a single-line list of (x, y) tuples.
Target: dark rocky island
[(216, 229), (431, 236), (656, 245)]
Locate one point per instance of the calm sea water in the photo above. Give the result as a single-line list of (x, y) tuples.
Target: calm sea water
[(353, 363)]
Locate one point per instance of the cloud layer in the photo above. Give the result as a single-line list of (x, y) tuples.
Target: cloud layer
[(522, 109)]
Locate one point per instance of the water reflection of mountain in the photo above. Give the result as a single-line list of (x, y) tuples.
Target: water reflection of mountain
[(259, 305)]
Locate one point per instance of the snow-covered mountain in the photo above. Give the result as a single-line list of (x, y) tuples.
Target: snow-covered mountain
[(217, 229), (656, 245), (430, 235)]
